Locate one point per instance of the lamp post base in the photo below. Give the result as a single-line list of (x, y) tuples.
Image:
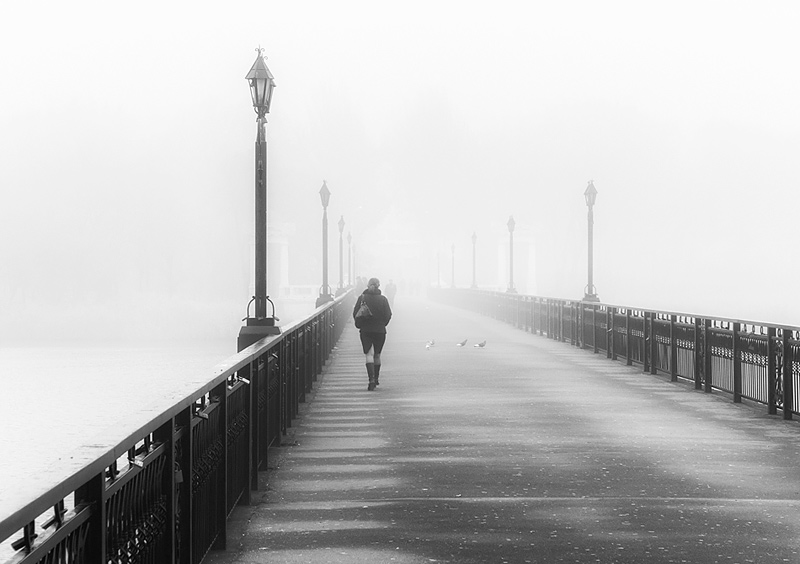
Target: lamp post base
[(511, 291), (324, 299), (255, 330), (591, 298)]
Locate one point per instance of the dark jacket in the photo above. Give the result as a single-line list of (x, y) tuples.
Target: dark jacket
[(381, 312)]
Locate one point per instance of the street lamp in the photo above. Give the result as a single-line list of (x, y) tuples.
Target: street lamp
[(474, 242), (349, 259), (325, 290), (262, 84), (511, 223), (590, 195), (340, 290), (453, 265)]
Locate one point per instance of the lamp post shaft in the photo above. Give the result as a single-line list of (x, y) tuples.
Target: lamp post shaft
[(474, 255), (261, 221), (590, 289), (341, 261), (511, 261), (349, 260), (453, 266), (325, 289)]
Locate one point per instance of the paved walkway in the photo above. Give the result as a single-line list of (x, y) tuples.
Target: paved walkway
[(527, 450)]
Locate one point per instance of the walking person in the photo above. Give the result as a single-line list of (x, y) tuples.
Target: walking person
[(372, 327), (391, 291)]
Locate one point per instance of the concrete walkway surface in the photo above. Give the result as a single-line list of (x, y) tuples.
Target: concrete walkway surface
[(525, 450)]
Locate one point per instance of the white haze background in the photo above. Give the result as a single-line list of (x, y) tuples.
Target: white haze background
[(126, 154)]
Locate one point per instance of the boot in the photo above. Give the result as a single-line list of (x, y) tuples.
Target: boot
[(377, 373), (371, 374)]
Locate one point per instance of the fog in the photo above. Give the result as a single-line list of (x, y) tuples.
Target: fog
[(126, 156)]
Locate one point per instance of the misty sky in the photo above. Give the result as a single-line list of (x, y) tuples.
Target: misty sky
[(126, 153)]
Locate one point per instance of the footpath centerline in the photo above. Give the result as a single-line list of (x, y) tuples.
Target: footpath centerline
[(525, 450)]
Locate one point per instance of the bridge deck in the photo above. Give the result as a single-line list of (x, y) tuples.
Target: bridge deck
[(527, 450)]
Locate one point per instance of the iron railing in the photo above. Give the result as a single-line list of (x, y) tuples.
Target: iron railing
[(163, 494), (749, 360)]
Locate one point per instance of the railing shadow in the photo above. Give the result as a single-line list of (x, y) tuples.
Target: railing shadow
[(163, 494)]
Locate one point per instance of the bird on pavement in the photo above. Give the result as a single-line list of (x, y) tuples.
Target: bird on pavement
[(480, 345), (430, 343), (462, 343)]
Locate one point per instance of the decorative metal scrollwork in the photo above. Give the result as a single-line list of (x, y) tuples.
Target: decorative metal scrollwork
[(143, 536), (700, 352), (179, 489), (236, 427), (779, 379), (207, 463)]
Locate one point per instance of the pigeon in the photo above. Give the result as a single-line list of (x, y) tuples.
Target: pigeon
[(462, 343), (480, 345)]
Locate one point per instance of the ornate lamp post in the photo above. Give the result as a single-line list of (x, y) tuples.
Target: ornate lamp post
[(474, 242), (262, 84), (341, 256), (349, 259), (511, 223), (325, 291), (453, 265), (591, 195)]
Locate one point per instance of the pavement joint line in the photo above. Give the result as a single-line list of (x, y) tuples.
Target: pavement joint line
[(581, 499)]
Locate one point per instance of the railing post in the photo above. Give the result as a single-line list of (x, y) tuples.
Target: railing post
[(673, 349), (646, 346), (183, 422), (772, 368), (707, 357), (628, 358), (787, 375), (548, 323), (255, 424), (653, 342), (573, 324), (582, 308), (610, 333), (92, 493), (698, 354), (561, 336), (221, 542), (737, 365), (166, 436)]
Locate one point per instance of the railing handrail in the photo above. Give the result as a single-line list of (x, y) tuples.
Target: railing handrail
[(633, 308), (750, 360), (18, 518)]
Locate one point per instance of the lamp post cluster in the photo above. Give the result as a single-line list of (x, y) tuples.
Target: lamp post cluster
[(325, 291), (262, 85), (590, 293)]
